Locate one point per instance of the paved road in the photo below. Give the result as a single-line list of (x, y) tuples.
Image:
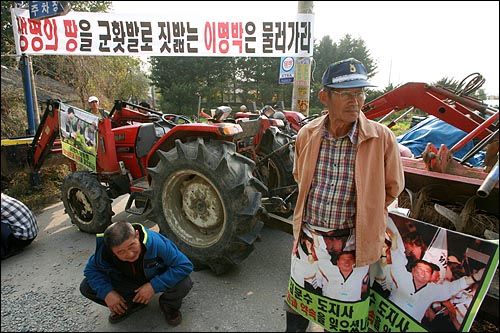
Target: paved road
[(246, 299)]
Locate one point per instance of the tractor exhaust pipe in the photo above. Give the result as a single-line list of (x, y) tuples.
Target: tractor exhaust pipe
[(489, 182)]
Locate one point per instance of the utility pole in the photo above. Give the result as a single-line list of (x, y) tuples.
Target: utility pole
[(302, 78), (28, 93)]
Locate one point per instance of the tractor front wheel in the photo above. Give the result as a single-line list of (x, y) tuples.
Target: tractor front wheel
[(86, 202)]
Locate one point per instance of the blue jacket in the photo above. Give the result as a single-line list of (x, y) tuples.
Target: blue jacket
[(164, 264)]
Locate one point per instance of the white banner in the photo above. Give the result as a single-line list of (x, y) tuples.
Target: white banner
[(82, 33)]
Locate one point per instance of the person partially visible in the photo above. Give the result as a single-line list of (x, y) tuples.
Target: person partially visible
[(145, 107), (90, 134), (454, 268), (19, 226), (405, 151), (380, 272), (414, 248), (414, 291), (203, 114), (130, 265), (145, 104), (95, 109), (68, 123), (348, 170), (346, 281), (79, 127), (243, 108)]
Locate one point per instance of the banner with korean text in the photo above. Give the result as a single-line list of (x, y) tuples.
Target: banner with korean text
[(85, 33)]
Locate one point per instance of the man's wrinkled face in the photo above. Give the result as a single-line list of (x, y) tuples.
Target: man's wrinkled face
[(129, 250), (343, 104)]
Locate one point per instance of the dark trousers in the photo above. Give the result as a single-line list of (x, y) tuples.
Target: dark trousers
[(171, 298), (10, 244), (295, 322)]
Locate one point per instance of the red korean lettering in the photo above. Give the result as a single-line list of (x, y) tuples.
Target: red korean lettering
[(22, 29), (35, 28), (71, 32), (311, 313), (223, 35), (237, 34), (50, 30), (210, 36)]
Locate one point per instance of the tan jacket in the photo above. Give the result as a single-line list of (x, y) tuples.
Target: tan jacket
[(379, 179)]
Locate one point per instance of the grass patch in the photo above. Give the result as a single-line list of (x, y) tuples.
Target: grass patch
[(19, 185)]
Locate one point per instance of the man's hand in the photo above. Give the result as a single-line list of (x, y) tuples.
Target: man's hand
[(144, 293), (115, 302)]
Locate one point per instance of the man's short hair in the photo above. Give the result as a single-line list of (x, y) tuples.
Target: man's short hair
[(117, 233), (434, 267)]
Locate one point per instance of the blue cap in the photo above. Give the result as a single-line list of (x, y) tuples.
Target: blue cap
[(349, 73)]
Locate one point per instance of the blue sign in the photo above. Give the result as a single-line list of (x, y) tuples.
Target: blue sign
[(287, 70), (45, 9)]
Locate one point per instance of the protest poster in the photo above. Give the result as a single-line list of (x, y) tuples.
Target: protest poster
[(92, 33), (78, 130), (430, 279)]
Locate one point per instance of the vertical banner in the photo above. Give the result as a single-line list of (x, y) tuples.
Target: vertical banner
[(78, 131), (301, 85)]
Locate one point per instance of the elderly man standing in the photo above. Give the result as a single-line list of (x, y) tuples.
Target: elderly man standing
[(348, 170)]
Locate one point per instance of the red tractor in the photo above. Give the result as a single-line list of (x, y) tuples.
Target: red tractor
[(191, 178)]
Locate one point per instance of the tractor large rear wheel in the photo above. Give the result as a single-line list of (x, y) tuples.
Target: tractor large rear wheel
[(86, 202), (206, 200)]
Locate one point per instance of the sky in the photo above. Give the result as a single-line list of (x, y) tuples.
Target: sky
[(411, 41)]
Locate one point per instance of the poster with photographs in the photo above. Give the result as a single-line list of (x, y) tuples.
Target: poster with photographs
[(78, 130), (429, 279)]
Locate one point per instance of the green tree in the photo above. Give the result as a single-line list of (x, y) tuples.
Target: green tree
[(327, 52)]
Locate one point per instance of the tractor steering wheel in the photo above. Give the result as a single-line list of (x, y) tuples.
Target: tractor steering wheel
[(175, 118)]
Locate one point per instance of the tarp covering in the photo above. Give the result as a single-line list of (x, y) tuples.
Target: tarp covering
[(438, 132)]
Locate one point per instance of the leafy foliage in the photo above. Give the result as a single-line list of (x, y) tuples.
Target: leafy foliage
[(236, 80)]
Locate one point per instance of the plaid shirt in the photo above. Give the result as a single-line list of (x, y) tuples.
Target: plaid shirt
[(331, 201), (19, 217)]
